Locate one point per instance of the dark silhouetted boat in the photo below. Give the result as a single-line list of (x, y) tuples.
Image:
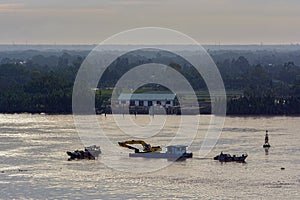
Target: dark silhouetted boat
[(228, 158), (89, 153)]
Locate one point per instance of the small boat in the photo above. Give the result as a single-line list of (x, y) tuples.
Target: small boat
[(228, 158), (173, 152), (90, 153)]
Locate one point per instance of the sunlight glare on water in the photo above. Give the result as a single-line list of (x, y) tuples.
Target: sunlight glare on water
[(33, 161)]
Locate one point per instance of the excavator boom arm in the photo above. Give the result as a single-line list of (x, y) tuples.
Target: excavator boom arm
[(124, 144), (146, 147)]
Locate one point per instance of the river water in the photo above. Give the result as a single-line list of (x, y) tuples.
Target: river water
[(33, 162)]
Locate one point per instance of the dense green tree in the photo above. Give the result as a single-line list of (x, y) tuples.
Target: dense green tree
[(269, 84)]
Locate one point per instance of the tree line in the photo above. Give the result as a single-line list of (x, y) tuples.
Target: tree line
[(44, 83)]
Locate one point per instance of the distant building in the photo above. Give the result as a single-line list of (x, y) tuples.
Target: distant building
[(147, 100)]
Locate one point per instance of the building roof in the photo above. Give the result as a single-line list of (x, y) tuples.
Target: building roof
[(148, 97)]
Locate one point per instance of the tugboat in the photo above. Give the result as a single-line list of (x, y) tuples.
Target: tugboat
[(173, 152), (90, 153), (228, 158)]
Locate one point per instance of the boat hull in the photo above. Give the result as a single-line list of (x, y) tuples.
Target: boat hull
[(80, 155), (229, 158), (162, 155), (89, 153)]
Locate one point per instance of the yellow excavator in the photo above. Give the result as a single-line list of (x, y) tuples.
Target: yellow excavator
[(147, 148)]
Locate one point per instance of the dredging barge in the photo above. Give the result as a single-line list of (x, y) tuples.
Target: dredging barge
[(173, 152)]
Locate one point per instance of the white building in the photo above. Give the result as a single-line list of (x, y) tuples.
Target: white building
[(147, 100)]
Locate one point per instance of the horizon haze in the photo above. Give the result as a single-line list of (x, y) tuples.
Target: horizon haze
[(207, 21)]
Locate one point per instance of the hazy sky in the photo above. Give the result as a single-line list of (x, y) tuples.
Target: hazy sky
[(207, 21)]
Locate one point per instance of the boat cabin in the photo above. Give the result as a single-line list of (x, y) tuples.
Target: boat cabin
[(176, 149)]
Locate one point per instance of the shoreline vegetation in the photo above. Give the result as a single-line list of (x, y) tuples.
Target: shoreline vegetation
[(258, 81)]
